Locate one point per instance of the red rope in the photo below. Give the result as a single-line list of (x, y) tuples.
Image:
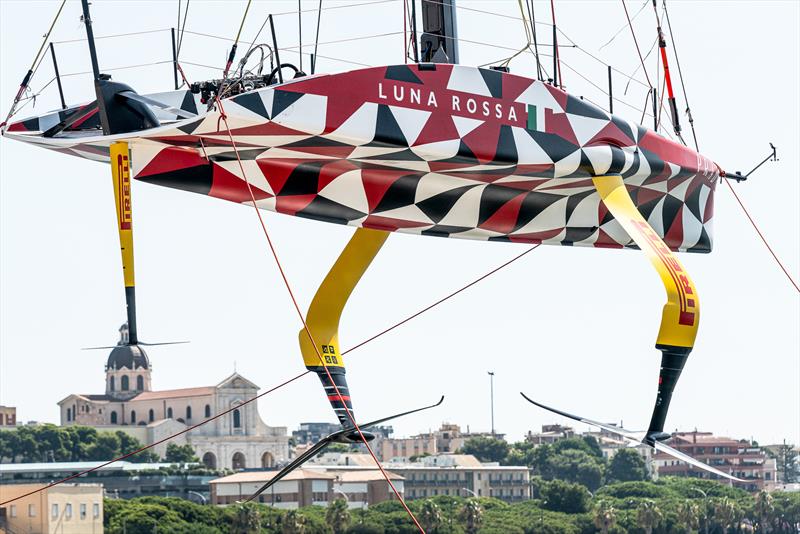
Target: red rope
[(448, 297), (758, 231), (305, 325), (142, 449), (351, 349)]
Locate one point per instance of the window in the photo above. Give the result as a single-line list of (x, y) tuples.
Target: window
[(13, 510), (96, 510), (237, 419), (133, 416), (68, 510), (208, 410), (31, 510), (169, 413), (69, 414), (188, 412), (113, 418), (83, 510), (124, 382), (54, 511), (151, 416), (140, 383), (112, 384)]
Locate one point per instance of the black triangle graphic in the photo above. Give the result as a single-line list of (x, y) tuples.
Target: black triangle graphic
[(188, 103), (282, 100), (387, 131), (494, 81), (401, 73), (438, 206), (532, 205), (493, 198), (253, 102)]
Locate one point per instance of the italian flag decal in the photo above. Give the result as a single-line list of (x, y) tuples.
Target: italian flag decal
[(535, 118)]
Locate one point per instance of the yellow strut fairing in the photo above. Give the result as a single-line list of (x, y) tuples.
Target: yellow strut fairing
[(120, 171), (326, 308), (681, 314)]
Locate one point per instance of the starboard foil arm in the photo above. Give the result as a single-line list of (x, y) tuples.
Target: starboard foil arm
[(681, 314), (636, 438), (325, 312)]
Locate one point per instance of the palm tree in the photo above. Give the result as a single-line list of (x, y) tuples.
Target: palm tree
[(293, 523), (764, 510), (430, 516), (725, 513), (246, 520), (689, 515), (338, 516), (605, 516), (648, 516), (472, 516)]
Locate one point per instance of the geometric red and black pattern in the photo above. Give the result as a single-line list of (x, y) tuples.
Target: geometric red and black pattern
[(442, 150)]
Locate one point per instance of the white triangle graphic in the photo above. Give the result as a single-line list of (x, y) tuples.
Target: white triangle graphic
[(347, 189), (359, 128), (465, 125), (538, 95), (585, 127), (411, 121), (467, 80)]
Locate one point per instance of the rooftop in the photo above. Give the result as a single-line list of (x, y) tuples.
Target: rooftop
[(264, 476)]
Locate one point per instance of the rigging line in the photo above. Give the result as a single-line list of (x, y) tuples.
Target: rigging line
[(27, 78), (183, 27), (580, 48), (532, 13), (527, 45), (316, 39), (300, 31), (112, 36), (622, 28), (556, 59), (680, 76), (288, 381), (440, 301), (236, 42), (636, 42), (363, 4), (159, 442), (288, 286), (761, 235)]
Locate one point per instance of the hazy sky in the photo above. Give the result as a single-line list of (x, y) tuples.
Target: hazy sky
[(551, 325)]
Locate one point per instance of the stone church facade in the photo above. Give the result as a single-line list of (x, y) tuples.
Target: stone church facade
[(237, 440)]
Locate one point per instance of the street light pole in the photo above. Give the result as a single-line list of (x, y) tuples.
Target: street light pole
[(491, 396)]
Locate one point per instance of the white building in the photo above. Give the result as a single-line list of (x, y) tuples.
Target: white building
[(237, 440)]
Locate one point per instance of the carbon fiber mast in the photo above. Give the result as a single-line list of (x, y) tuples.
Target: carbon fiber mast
[(120, 113)]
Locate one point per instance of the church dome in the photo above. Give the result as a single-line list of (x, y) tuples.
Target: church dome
[(125, 355), (128, 356)]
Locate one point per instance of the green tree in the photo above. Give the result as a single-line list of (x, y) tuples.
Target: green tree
[(605, 516), (180, 454), (688, 514), (486, 449), (338, 516), (430, 516), (293, 523), (786, 459), (246, 519), (627, 466), (764, 508), (567, 497), (725, 513), (471, 515), (648, 515), (574, 465)]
